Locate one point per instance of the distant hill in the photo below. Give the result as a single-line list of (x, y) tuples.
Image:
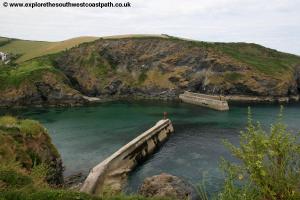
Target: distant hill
[(143, 66), (28, 49)]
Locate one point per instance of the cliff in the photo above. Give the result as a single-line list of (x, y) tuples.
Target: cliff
[(27, 142), (31, 167), (36, 82), (154, 67)]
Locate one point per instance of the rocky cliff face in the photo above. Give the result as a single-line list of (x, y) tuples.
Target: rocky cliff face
[(151, 67), (297, 77), (158, 67), (46, 89)]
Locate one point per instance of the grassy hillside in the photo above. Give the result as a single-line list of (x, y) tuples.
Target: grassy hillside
[(31, 49), (144, 66), (263, 59), (268, 61), (27, 71)]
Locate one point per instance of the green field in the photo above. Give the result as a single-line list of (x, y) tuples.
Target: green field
[(27, 49)]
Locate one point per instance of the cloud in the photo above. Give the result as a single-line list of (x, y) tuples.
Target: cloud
[(273, 23)]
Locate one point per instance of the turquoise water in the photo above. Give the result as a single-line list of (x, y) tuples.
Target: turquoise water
[(87, 135)]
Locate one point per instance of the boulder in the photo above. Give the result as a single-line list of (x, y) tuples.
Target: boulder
[(166, 185)]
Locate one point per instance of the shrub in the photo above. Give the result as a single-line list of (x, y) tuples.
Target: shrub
[(269, 164), (8, 121), (13, 179), (31, 127)]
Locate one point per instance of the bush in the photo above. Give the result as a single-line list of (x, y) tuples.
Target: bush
[(31, 127), (14, 179), (269, 164), (8, 121)]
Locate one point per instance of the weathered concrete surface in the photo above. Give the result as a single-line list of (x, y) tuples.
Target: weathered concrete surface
[(245, 98), (210, 101), (112, 172)]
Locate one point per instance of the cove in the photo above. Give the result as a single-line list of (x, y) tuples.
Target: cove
[(87, 135)]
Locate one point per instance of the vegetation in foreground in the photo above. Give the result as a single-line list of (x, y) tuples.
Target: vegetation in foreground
[(269, 164), (17, 184), (27, 143), (268, 169), (25, 173)]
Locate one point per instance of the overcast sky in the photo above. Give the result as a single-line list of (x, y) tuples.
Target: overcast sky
[(273, 23)]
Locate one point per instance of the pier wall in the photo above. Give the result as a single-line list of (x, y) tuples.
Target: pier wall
[(112, 172), (210, 101)]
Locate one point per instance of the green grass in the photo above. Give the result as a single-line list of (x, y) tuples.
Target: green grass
[(265, 60), (13, 179), (26, 126), (32, 49), (16, 184), (8, 121), (31, 127), (16, 135), (260, 58), (56, 194), (4, 41), (13, 76)]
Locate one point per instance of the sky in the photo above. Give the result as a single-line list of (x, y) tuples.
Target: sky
[(272, 23)]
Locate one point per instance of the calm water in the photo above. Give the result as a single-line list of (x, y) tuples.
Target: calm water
[(87, 135)]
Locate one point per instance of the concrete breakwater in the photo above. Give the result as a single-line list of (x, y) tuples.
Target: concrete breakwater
[(112, 172), (257, 99), (210, 101)]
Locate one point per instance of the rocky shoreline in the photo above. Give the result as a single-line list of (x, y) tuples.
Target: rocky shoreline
[(98, 100)]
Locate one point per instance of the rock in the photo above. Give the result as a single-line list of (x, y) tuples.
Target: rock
[(298, 78), (47, 90), (146, 67), (74, 181), (166, 185), (113, 87)]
